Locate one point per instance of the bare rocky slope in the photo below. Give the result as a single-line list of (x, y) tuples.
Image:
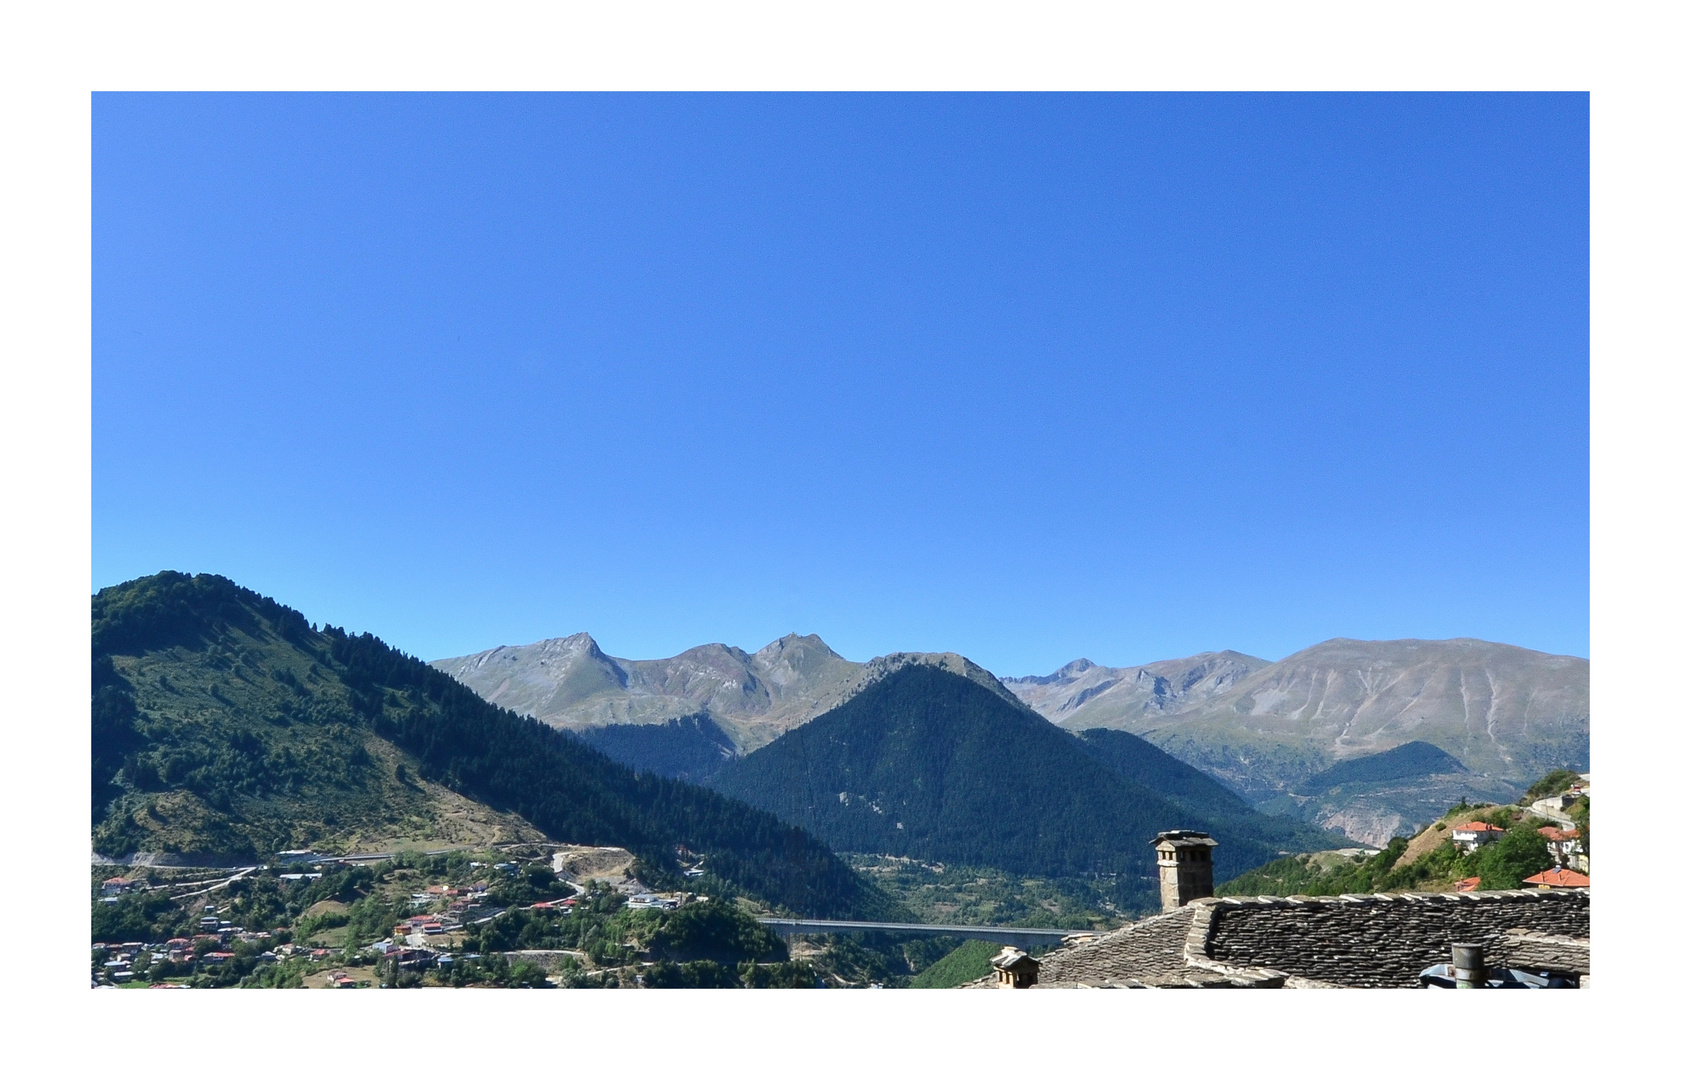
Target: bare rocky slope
[(570, 683), (1508, 714), (1116, 697)]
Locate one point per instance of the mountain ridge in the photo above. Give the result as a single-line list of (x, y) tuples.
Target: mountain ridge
[(570, 683), (1257, 726)]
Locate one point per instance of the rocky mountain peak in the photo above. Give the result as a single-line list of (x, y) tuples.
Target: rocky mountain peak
[(796, 649)]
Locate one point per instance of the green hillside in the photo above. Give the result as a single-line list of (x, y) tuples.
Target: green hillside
[(930, 765), (226, 726)]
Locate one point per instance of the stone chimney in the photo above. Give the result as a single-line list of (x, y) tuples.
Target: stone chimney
[(1185, 860), (1016, 970)]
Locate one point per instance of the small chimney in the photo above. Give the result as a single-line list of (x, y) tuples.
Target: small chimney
[(1185, 860), (1468, 971), (1016, 970)]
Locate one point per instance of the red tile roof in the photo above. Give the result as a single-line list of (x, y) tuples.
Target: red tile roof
[(1477, 826), (1556, 834), (1558, 877), (1467, 885)]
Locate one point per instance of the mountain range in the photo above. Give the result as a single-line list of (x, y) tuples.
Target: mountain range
[(1506, 715), (1501, 710)]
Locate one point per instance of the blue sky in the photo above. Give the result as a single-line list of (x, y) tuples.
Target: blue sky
[(1026, 377)]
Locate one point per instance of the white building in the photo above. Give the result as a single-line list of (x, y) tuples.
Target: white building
[(1471, 835)]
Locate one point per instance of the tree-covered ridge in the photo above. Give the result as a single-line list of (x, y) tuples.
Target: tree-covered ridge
[(1405, 762), (222, 718), (930, 765)]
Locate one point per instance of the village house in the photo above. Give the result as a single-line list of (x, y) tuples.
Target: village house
[(116, 886), (1557, 878), (1471, 835), (1565, 845)]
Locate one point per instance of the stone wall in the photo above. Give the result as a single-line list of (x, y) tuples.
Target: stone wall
[(1377, 940)]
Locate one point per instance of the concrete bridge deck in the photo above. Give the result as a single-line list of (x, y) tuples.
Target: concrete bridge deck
[(1023, 937)]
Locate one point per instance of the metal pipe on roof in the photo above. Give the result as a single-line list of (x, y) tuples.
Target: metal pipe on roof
[(1468, 970)]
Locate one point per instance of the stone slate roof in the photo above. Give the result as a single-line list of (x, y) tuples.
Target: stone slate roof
[(1380, 940), (1531, 951), (1152, 951)]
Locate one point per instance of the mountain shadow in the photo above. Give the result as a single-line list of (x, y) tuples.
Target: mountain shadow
[(690, 748)]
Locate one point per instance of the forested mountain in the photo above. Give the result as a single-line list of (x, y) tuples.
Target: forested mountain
[(930, 765), (224, 724)]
